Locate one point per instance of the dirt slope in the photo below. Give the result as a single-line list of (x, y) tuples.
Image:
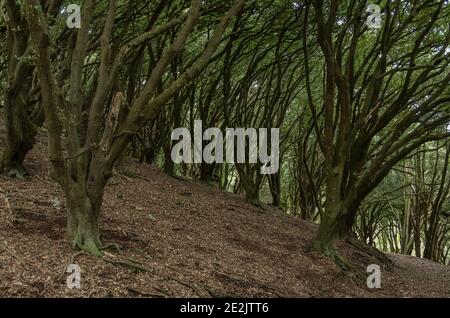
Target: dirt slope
[(181, 239)]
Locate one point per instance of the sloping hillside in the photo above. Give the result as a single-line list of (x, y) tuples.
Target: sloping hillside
[(181, 239)]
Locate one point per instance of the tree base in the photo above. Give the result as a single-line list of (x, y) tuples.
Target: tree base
[(329, 250), (255, 203), (347, 268), (14, 170), (17, 172), (91, 246)]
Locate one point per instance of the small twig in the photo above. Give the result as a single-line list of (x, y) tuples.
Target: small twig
[(70, 261), (127, 263), (186, 285), (12, 219), (132, 175)]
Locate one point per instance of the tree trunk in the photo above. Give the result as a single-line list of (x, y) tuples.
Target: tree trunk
[(251, 189), (252, 195), (169, 166), (430, 245), (417, 243), (334, 226), (207, 172), (84, 201), (82, 226), (83, 159), (20, 129), (149, 156), (121, 163), (20, 133), (337, 219), (275, 188)]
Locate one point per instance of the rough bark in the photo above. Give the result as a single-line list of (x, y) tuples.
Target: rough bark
[(82, 221), (20, 134), (250, 180), (20, 128)]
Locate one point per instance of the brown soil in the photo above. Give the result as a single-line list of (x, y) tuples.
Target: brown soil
[(182, 239)]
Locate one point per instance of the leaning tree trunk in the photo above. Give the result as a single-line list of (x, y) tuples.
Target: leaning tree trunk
[(338, 217)]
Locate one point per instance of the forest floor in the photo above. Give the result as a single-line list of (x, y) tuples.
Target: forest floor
[(182, 239)]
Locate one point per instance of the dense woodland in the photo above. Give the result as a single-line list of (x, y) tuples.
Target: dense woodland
[(363, 113)]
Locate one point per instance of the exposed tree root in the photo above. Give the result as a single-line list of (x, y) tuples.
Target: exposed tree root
[(383, 259), (17, 172), (128, 263), (139, 267), (179, 178), (87, 245), (357, 273), (115, 246), (331, 252), (347, 267), (189, 286)]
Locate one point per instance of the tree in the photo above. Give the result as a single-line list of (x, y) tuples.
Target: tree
[(384, 94), (22, 107), (85, 139), (261, 79)]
